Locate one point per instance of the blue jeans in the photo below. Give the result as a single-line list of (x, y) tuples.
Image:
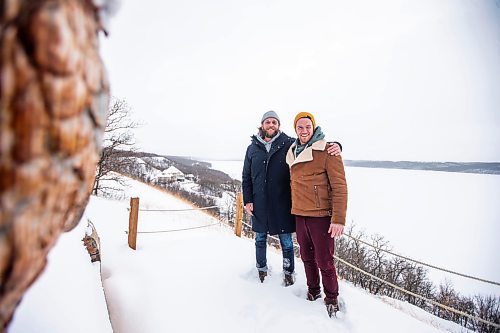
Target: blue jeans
[(286, 247)]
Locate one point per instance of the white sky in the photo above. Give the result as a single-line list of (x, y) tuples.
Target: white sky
[(390, 79), (200, 280)]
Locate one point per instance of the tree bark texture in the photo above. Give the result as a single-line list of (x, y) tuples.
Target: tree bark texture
[(53, 107)]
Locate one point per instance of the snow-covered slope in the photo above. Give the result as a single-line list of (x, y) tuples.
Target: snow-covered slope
[(190, 280)]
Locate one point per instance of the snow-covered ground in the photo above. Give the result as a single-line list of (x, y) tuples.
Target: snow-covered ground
[(187, 281), (446, 219)]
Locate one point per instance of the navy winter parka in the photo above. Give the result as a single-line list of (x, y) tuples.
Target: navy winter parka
[(266, 184)]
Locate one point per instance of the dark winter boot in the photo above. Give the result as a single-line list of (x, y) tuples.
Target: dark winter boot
[(332, 306), (313, 296), (262, 275), (288, 280)]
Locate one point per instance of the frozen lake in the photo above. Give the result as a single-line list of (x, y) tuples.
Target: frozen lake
[(450, 220)]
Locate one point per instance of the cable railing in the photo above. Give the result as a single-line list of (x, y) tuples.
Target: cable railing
[(174, 230), (428, 300), (407, 292), (423, 263), (372, 276), (178, 210)]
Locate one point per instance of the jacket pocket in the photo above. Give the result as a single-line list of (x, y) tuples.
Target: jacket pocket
[(323, 196)]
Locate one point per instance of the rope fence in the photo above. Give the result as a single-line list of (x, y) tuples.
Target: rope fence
[(417, 295), (177, 210), (239, 223), (442, 306), (407, 258), (423, 263), (348, 235), (270, 236), (430, 301), (173, 230)]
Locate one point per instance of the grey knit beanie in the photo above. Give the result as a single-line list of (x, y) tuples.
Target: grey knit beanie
[(270, 114)]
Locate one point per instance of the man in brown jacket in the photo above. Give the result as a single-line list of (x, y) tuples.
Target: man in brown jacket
[(319, 203)]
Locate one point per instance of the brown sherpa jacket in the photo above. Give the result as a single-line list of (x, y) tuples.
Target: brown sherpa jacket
[(318, 183)]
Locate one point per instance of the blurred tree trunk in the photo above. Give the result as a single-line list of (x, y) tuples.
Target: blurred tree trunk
[(54, 101)]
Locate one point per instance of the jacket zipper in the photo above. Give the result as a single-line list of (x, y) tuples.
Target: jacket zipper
[(316, 195)]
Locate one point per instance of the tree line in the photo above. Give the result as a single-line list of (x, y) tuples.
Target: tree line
[(411, 277)]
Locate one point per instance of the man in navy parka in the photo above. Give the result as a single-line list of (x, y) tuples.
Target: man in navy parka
[(267, 194)]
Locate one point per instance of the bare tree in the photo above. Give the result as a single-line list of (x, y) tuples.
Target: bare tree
[(411, 277), (488, 308), (377, 263), (118, 142)]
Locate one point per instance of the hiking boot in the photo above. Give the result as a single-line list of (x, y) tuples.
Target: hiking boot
[(313, 296), (332, 306), (262, 275), (288, 280)]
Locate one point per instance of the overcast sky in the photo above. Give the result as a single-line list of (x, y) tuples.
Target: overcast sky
[(390, 79)]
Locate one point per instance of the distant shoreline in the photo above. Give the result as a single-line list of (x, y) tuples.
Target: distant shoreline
[(492, 168)]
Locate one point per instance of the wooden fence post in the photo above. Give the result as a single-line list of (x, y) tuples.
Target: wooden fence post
[(239, 214), (132, 223)]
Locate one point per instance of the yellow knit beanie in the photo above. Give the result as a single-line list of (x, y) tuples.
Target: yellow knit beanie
[(304, 115)]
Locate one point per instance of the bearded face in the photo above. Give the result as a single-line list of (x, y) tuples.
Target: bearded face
[(270, 128)]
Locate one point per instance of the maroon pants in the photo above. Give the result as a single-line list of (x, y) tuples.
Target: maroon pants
[(316, 251)]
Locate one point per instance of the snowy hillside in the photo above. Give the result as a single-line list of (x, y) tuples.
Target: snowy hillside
[(190, 280)]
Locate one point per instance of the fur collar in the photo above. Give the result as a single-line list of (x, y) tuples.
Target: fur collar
[(306, 155)]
